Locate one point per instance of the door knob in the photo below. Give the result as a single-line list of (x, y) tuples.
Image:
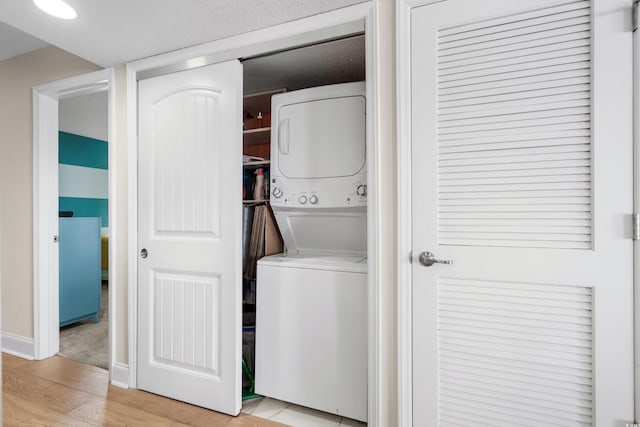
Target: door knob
[(144, 253), (428, 259)]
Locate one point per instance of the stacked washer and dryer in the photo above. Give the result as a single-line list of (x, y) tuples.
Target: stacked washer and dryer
[(311, 307)]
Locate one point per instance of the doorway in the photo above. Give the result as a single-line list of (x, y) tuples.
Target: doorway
[(84, 228), (343, 23), (289, 73), (47, 202)]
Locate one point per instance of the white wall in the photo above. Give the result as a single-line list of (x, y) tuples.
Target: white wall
[(120, 169), (0, 300), (388, 199), (81, 181), (85, 115)]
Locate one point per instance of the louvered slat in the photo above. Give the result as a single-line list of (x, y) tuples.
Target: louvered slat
[(513, 351), (565, 380), (514, 130), (523, 19), (516, 173), (519, 67), (513, 116), (516, 98)]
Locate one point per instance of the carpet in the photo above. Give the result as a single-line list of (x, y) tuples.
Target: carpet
[(88, 342)]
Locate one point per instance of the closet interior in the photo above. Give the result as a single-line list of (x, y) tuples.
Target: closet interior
[(326, 236)]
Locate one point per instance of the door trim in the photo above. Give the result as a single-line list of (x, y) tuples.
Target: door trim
[(46, 337), (403, 159), (636, 209), (320, 27), (404, 255)]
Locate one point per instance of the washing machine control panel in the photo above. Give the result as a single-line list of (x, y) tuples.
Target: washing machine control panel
[(319, 193)]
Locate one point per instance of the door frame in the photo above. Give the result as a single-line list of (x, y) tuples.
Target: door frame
[(636, 208), (46, 334), (404, 254), (326, 26), (404, 242)]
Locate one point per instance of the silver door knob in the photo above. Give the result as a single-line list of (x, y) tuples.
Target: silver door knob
[(428, 259), (144, 253)]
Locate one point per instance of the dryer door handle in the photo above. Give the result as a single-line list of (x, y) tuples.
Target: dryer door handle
[(283, 136)]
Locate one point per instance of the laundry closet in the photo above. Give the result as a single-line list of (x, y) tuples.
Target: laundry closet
[(304, 227), (252, 235)]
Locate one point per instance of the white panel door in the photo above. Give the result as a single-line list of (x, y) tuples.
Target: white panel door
[(522, 175), (189, 223)]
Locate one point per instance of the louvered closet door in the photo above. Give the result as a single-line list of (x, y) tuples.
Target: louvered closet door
[(522, 175)]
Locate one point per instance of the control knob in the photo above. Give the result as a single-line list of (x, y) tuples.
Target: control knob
[(313, 199), (302, 200), (277, 192), (361, 190)]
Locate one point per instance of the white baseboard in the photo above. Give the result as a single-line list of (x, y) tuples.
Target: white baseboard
[(18, 345), (120, 375)]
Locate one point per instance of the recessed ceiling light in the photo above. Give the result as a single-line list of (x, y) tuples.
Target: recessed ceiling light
[(57, 8)]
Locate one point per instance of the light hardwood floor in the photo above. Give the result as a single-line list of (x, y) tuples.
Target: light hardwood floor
[(62, 392)]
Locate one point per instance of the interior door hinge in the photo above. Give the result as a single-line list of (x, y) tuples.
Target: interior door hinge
[(635, 14), (636, 226)]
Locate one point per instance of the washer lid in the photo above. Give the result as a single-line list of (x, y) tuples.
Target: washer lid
[(331, 231), (344, 263)]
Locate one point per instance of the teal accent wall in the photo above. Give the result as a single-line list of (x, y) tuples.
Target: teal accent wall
[(86, 207), (82, 151), (79, 150)]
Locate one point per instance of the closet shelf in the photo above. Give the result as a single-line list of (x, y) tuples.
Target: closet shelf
[(256, 130), (256, 164), (256, 136)]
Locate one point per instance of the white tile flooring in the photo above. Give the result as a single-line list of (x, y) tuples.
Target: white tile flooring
[(294, 415)]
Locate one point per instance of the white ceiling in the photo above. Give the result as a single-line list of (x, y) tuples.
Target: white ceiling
[(112, 32), (14, 42)]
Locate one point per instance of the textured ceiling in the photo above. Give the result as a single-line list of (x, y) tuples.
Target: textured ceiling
[(14, 42), (112, 32)]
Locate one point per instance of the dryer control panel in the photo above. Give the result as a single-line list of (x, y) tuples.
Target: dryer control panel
[(318, 147), (324, 193)]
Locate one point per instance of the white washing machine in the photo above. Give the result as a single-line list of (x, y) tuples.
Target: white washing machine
[(311, 332), (311, 302)]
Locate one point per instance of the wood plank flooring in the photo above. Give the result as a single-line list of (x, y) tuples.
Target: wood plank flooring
[(62, 392)]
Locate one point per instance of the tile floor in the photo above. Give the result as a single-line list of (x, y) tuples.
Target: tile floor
[(294, 415)]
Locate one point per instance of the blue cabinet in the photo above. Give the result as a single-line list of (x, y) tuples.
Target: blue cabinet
[(80, 267)]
